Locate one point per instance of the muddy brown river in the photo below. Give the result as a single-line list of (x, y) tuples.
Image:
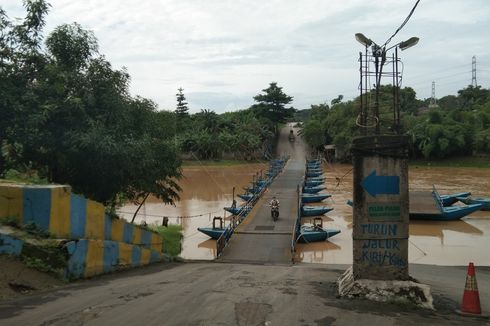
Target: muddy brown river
[(207, 189)]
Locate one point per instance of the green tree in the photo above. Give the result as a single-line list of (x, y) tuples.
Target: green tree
[(181, 110), (337, 100), (272, 105), (69, 114)]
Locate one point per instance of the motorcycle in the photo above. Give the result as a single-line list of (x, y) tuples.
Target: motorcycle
[(274, 211)]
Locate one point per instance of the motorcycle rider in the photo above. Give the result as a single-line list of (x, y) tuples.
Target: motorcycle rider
[(274, 202)]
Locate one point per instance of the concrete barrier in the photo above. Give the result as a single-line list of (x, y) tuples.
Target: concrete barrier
[(54, 208), (93, 257), (10, 245), (88, 257)]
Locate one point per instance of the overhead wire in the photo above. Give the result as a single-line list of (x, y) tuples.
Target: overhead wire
[(402, 25)]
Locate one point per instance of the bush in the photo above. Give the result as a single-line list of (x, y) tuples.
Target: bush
[(172, 237)]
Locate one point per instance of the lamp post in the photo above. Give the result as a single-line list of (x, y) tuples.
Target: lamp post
[(378, 57), (380, 173)]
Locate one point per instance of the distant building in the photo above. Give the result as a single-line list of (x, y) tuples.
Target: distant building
[(333, 154)]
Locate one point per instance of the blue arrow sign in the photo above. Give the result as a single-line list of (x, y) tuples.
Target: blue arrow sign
[(381, 185)]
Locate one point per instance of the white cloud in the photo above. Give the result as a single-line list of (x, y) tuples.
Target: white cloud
[(224, 52)]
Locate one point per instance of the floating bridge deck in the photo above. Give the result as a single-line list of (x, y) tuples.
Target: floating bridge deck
[(258, 239)]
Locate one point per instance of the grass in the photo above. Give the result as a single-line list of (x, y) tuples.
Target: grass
[(172, 236), (463, 162), (28, 177)]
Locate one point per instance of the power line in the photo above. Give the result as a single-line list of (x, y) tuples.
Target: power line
[(403, 24), (440, 70), (427, 80)]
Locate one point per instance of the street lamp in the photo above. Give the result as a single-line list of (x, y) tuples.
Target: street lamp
[(363, 39), (408, 43), (378, 57)]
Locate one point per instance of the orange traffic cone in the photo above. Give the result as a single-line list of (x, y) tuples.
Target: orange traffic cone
[(471, 297)]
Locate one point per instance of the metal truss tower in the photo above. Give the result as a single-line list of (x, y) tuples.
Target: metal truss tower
[(473, 72), (433, 101)]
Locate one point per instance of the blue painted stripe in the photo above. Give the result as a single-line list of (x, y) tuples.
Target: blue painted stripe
[(154, 257), (78, 255), (78, 216), (146, 239), (111, 256), (136, 256), (10, 246), (37, 207), (107, 227), (128, 233)]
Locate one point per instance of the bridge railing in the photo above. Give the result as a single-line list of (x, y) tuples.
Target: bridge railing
[(297, 223), (237, 219)]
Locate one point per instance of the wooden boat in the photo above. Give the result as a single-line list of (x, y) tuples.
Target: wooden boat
[(313, 167), (313, 183), (450, 213), (214, 233), (313, 161), (315, 234), (254, 189), (476, 200), (313, 190), (314, 198), (314, 164), (313, 174), (315, 178), (448, 200), (261, 182), (272, 173), (246, 197), (237, 210), (307, 211)]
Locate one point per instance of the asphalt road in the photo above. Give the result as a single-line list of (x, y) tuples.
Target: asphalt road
[(235, 294)]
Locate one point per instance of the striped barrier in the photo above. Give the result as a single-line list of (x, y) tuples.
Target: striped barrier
[(93, 257), (55, 209), (89, 257)]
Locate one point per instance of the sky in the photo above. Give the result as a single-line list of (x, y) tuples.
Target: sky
[(224, 52)]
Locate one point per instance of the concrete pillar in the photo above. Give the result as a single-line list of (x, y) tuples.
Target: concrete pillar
[(380, 217)]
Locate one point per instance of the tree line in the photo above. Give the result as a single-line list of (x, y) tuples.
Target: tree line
[(458, 126), (67, 116), (243, 133)]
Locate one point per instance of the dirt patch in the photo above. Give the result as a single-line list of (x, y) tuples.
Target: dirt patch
[(18, 280), (252, 313)]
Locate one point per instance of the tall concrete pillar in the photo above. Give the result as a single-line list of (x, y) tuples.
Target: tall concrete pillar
[(380, 228)]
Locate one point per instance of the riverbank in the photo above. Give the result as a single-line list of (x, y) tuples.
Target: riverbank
[(238, 294), (220, 163), (463, 162)]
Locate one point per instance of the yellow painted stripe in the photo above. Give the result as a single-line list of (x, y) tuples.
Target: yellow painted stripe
[(117, 230), (95, 258), (11, 202), (59, 220), (156, 242), (94, 228), (125, 254), (145, 256), (136, 236)]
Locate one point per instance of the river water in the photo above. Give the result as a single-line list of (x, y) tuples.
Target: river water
[(207, 189)]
